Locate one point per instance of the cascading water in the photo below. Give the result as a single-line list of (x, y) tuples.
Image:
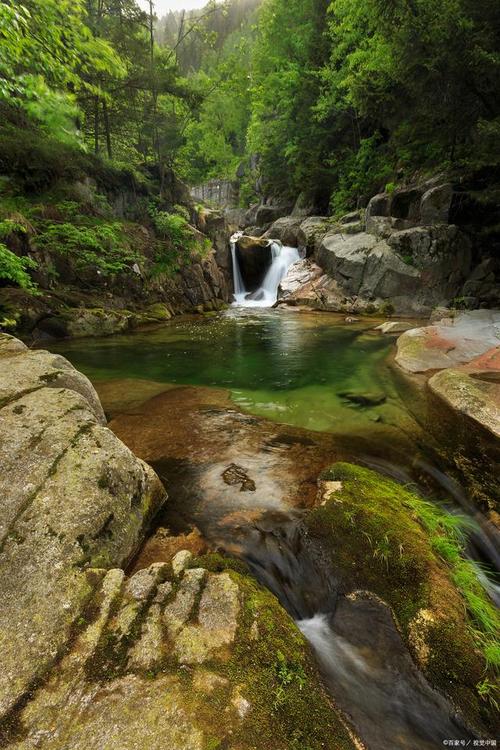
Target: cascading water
[(282, 257)]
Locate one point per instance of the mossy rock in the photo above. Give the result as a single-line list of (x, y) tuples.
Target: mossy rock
[(384, 538)]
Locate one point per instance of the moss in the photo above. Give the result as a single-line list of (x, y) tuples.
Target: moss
[(271, 662), (385, 538)]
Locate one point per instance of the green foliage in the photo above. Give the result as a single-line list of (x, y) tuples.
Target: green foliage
[(14, 269), (100, 245), (180, 241), (287, 673)]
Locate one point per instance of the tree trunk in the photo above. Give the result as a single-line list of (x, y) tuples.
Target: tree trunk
[(96, 125), (107, 130)]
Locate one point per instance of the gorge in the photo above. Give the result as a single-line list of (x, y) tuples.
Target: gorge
[(249, 375)]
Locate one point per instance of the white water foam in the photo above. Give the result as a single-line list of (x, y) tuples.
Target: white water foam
[(282, 257)]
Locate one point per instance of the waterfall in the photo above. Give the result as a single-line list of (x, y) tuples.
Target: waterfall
[(239, 286), (282, 257)]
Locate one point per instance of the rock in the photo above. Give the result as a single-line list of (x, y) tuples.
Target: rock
[(393, 326), (449, 342), (367, 268), (473, 392), (286, 230), (405, 203), (254, 258), (181, 560), (267, 214), (96, 322), (311, 231), (25, 370), (235, 474), (379, 205), (398, 562), (435, 204), (380, 226), (185, 688), (364, 399), (74, 499), (301, 275), (303, 206)]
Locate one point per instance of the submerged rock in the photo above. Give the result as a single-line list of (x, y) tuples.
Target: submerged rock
[(235, 474), (364, 399)]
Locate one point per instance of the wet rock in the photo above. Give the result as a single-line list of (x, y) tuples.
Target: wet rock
[(449, 342), (473, 390), (254, 258), (235, 474)]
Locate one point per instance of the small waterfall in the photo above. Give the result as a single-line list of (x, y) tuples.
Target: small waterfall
[(239, 286), (282, 257)]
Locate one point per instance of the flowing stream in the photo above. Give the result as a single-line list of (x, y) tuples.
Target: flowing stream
[(264, 398), (282, 257)]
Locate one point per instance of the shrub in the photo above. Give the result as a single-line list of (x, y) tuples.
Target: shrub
[(100, 245), (15, 269)]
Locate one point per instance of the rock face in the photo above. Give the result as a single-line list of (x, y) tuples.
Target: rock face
[(74, 499), (402, 251)]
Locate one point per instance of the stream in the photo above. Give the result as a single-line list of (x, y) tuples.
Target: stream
[(239, 413)]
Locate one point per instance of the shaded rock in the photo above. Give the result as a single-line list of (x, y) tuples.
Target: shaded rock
[(449, 342), (267, 214), (311, 231), (435, 204), (303, 206), (254, 258), (379, 205)]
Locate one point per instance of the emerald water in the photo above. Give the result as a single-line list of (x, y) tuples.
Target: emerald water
[(289, 367)]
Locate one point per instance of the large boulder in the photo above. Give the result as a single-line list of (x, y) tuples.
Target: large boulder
[(311, 232), (449, 342), (435, 204), (267, 214), (74, 498), (179, 657), (473, 390), (366, 267), (286, 229)]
